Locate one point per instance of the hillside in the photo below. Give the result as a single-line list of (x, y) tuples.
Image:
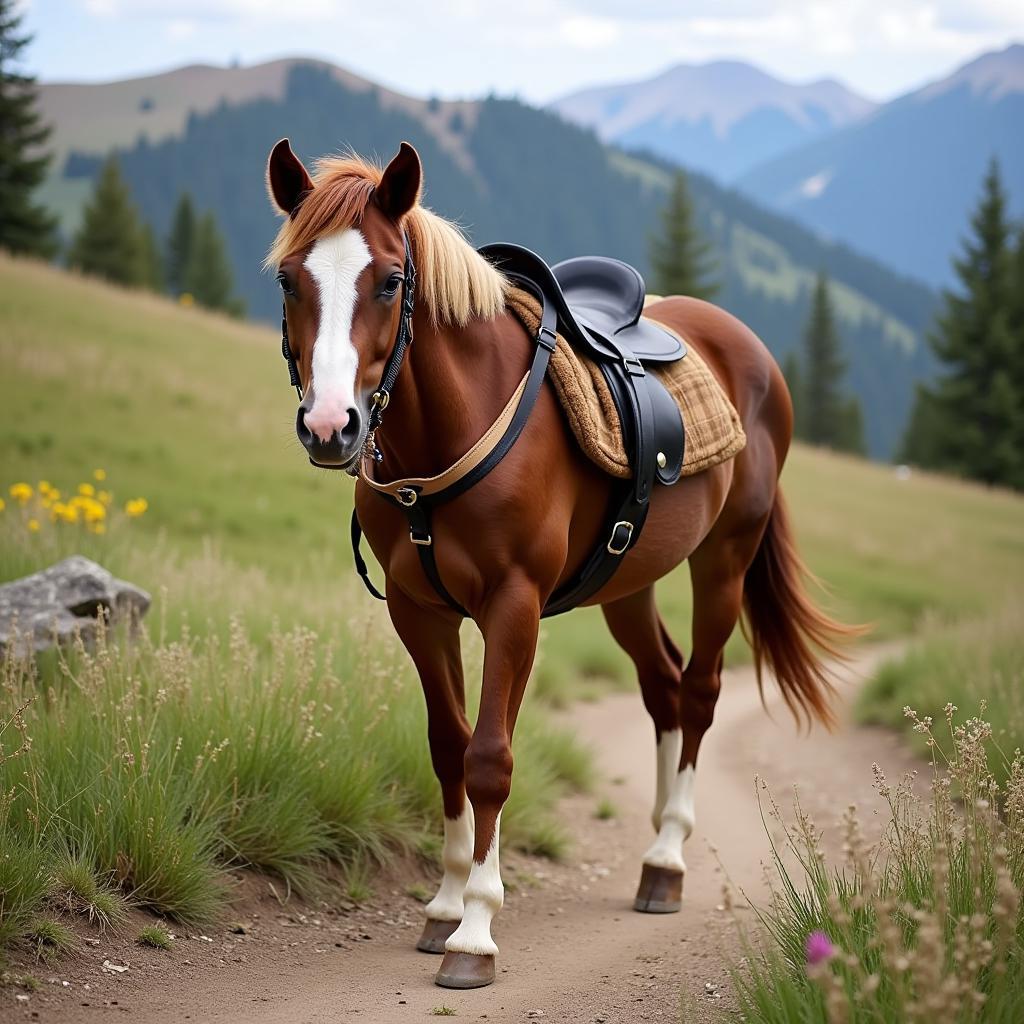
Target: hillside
[(580, 197), (721, 118), (901, 183)]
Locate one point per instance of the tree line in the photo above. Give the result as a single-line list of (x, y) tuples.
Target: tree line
[(112, 241)]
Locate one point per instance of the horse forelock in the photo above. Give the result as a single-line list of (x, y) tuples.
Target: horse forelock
[(453, 281)]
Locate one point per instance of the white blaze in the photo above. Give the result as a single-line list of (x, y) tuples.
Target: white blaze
[(677, 820), (670, 748), (457, 859), (483, 898), (335, 262)]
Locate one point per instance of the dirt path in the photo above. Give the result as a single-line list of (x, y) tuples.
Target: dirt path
[(572, 948)]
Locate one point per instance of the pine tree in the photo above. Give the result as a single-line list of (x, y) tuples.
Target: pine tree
[(152, 268), (109, 241), (680, 257), (208, 275), (827, 419), (24, 226), (179, 243), (969, 421)]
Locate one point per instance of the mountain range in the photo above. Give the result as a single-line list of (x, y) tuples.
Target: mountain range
[(897, 180), (504, 170), (723, 118)]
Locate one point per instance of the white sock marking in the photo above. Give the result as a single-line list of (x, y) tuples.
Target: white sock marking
[(483, 898), (677, 820), (335, 261), (457, 858), (670, 747)]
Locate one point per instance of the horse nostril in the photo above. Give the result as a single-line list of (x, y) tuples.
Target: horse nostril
[(305, 435), (351, 431)]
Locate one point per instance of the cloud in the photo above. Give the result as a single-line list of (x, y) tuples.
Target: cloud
[(586, 32)]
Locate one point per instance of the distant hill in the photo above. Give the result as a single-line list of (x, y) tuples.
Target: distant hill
[(508, 171), (721, 118), (900, 184)]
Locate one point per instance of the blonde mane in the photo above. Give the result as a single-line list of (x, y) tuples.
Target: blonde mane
[(453, 280)]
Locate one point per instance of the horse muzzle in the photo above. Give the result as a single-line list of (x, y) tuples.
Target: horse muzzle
[(341, 448)]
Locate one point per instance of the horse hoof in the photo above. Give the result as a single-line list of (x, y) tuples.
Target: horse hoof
[(660, 891), (435, 934), (465, 970)]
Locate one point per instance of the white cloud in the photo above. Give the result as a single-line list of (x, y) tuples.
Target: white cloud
[(589, 33)]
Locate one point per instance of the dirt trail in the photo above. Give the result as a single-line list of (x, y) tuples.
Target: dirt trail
[(571, 946)]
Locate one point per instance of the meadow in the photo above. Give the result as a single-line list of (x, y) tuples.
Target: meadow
[(265, 689)]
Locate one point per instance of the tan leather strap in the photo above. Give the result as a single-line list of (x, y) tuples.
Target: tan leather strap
[(407, 490)]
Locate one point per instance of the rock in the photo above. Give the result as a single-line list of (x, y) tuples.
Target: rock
[(62, 602)]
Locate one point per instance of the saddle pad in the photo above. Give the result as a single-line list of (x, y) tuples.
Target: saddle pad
[(714, 432)]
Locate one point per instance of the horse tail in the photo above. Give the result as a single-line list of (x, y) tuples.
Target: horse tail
[(786, 632)]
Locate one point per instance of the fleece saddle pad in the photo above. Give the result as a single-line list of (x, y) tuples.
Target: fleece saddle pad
[(714, 432)]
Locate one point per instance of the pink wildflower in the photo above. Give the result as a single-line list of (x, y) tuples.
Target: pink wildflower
[(819, 948)]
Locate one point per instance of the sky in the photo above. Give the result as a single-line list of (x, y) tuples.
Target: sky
[(535, 49)]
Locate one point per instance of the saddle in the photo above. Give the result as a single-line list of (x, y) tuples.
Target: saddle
[(598, 302)]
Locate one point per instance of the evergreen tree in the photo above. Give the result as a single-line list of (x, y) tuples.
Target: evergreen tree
[(109, 241), (680, 257), (970, 420), (827, 419), (151, 262), (180, 242), (24, 225), (208, 275)]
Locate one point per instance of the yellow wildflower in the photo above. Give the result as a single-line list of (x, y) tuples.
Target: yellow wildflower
[(43, 486), (20, 492), (97, 527), (3, 504), (135, 507), (65, 513), (33, 525), (105, 496), (186, 299), (86, 490), (99, 474)]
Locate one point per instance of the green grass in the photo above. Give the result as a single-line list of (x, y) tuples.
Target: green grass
[(154, 936), (605, 810), (978, 662), (927, 925), (49, 939)]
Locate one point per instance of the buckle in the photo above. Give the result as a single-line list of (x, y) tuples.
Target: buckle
[(618, 549), (633, 366), (541, 340), (407, 496), (381, 399), (423, 541)]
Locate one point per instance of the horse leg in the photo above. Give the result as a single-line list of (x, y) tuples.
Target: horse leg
[(638, 629), (509, 624), (717, 571), (432, 640)]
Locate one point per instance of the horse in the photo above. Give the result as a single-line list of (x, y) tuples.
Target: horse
[(351, 234)]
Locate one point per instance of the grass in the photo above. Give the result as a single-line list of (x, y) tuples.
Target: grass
[(605, 810), (979, 662), (927, 925), (154, 936), (49, 939)]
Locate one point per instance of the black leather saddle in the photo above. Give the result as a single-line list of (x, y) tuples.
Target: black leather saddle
[(599, 302)]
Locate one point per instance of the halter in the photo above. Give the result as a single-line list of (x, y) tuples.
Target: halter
[(403, 336)]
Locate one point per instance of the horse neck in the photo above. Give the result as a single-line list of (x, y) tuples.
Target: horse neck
[(452, 386)]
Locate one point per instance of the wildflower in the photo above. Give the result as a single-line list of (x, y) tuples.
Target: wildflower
[(98, 528), (33, 525), (136, 507), (20, 492), (99, 474), (44, 486), (818, 948), (105, 496), (3, 504), (86, 490), (66, 513)]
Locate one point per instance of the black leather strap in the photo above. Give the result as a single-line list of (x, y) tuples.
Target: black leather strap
[(356, 532)]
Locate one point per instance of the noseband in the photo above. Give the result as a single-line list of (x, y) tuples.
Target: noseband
[(382, 396)]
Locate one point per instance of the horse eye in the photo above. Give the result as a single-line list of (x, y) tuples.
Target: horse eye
[(282, 280), (392, 284)]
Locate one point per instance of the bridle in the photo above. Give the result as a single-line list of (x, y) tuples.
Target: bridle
[(382, 396)]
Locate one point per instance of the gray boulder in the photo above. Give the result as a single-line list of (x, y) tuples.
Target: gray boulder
[(62, 602)]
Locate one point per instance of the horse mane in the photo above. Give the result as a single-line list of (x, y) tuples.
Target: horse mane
[(455, 283)]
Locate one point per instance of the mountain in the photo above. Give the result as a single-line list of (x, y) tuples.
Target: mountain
[(721, 118), (901, 183), (510, 172)]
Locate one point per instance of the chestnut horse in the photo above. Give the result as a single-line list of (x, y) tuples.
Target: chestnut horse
[(505, 545)]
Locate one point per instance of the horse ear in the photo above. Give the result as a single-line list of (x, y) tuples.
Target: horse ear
[(399, 188), (287, 180)]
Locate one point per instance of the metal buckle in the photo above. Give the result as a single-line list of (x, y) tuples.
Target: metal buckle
[(424, 542), (541, 340), (407, 496), (634, 367), (381, 399), (629, 536)]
